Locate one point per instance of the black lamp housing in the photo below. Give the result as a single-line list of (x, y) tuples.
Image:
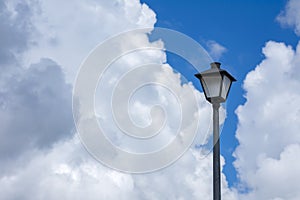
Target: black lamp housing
[(216, 83)]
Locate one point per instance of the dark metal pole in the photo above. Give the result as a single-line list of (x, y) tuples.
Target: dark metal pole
[(216, 153)]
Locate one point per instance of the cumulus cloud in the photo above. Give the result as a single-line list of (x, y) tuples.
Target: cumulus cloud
[(43, 159), (67, 36), (35, 109), (268, 125), (15, 31), (68, 172), (290, 16), (266, 157), (215, 49)]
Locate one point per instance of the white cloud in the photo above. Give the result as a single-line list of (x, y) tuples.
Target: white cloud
[(290, 16), (216, 50), (268, 130), (35, 109), (67, 36), (61, 36), (68, 172)]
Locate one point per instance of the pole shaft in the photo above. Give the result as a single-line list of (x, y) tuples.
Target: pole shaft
[(216, 154)]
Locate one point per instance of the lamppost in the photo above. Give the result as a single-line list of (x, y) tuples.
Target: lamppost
[(216, 83)]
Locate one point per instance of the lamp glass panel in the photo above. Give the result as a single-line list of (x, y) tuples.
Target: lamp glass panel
[(225, 86), (212, 85)]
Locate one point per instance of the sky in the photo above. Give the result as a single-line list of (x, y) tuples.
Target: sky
[(234, 33), (43, 46)]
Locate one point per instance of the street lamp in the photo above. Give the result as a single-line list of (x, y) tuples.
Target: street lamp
[(216, 83)]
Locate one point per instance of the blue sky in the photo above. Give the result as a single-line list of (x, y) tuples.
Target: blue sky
[(46, 44), (243, 28)]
